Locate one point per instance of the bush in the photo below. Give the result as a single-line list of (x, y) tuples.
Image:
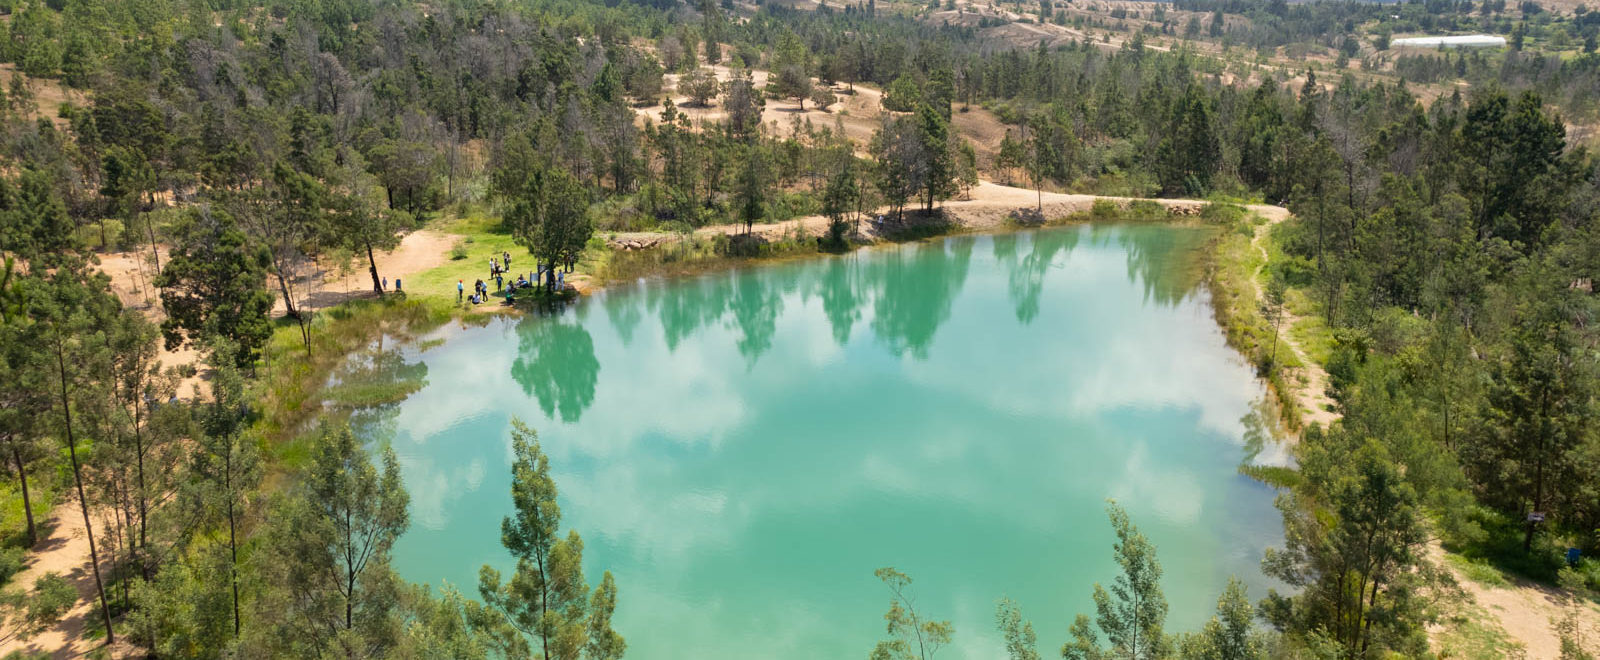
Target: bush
[(1104, 210), (738, 245), (53, 595), (1222, 214), (10, 563), (458, 251), (1589, 571), (837, 239)]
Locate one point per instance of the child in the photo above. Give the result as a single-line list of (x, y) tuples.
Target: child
[(461, 288)]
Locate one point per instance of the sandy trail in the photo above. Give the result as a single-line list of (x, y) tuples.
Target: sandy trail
[(63, 548), (1311, 393), (1525, 611)]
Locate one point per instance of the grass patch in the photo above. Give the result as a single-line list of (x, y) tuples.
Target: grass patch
[(293, 386), (1311, 333), (1272, 475), (1469, 633), (483, 238), (1479, 570)]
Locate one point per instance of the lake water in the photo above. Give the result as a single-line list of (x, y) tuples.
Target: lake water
[(743, 449)]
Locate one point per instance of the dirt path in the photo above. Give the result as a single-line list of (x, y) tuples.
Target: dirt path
[(64, 549), (1311, 380), (1526, 612), (328, 284)]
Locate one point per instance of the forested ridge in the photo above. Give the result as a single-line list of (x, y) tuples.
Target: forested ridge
[(1448, 241)]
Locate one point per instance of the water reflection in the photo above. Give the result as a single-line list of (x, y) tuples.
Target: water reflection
[(1166, 263), (624, 313), (370, 385), (841, 301), (755, 304), (914, 292), (555, 363), (1026, 277), (766, 437)]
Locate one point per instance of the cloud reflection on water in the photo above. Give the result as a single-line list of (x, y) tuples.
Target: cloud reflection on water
[(690, 422)]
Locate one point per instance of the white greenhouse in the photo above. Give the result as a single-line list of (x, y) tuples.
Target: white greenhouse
[(1462, 41)]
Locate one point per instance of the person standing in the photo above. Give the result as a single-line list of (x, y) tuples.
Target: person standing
[(461, 288)]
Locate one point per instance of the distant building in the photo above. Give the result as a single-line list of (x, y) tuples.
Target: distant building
[(1463, 41)]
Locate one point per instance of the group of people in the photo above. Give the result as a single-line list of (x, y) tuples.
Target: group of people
[(498, 269)]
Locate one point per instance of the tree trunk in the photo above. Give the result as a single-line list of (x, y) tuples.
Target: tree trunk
[(155, 251), (288, 300), (233, 549), (83, 502), (144, 510), (27, 504), (372, 267)]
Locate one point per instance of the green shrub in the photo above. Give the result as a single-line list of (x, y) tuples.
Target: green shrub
[(10, 563), (52, 596), (1104, 210), (458, 251), (1144, 209), (1222, 214)]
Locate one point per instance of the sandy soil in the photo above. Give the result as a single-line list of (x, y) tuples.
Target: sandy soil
[(48, 95), (1526, 612), (989, 207), (63, 549), (330, 284), (857, 114)]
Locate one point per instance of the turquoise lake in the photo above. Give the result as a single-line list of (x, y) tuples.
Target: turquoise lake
[(741, 450)]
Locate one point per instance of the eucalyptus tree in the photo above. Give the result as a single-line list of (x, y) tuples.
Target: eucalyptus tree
[(1132, 613), (1353, 543), (1230, 634), (226, 465), (550, 217), (326, 555), (912, 636), (140, 461), (24, 398), (1021, 642), (546, 599)]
